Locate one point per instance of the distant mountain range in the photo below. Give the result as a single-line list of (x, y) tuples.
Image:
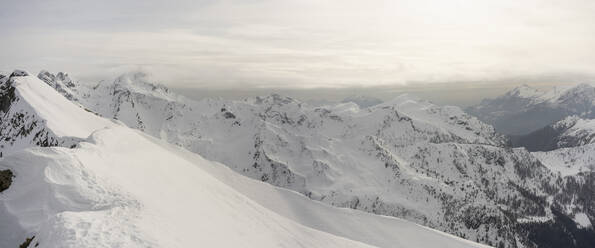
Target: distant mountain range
[(362, 101), (525, 109)]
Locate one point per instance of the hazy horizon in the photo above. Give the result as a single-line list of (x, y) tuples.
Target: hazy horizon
[(462, 93)]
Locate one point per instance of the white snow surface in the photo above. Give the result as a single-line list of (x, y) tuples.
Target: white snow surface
[(582, 220), (122, 188)]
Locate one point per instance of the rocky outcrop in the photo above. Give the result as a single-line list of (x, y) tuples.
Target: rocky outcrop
[(5, 179)]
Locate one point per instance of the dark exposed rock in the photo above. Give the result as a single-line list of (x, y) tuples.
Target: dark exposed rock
[(19, 73), (5, 179), (27, 243), (46, 76), (7, 96), (229, 115)]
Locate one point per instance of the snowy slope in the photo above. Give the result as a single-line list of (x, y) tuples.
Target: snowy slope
[(525, 109), (569, 161), (408, 158), (120, 188)]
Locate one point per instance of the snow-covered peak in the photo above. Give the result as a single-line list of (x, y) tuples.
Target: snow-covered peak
[(60, 115), (557, 94), (60, 82), (524, 91), (19, 73), (582, 94), (447, 119), (52, 79), (362, 101), (402, 98), (141, 83), (275, 100)]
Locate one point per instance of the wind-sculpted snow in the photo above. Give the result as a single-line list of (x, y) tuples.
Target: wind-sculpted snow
[(409, 158), (120, 188)]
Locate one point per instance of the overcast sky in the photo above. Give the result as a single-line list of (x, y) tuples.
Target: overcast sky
[(300, 43)]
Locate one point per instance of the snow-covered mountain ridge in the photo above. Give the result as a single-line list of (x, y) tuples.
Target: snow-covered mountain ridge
[(122, 188), (525, 109), (407, 157), (29, 119)]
